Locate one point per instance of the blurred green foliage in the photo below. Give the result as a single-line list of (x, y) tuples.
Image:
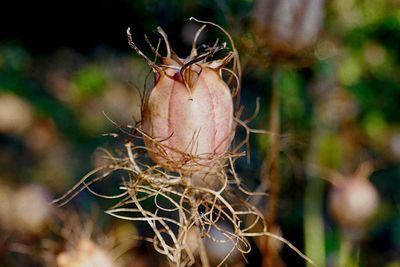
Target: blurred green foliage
[(89, 81)]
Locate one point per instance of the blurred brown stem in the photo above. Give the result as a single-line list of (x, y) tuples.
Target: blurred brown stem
[(272, 162)]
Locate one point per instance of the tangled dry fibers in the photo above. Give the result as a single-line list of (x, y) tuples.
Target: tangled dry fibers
[(178, 205)]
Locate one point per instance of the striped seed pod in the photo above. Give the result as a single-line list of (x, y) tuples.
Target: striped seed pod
[(187, 118)]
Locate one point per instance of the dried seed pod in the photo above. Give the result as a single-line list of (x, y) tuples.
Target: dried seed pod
[(220, 245), (288, 26), (31, 212), (16, 114), (187, 118), (86, 253), (353, 202)]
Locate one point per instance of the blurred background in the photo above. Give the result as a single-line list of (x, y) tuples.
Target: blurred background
[(328, 71)]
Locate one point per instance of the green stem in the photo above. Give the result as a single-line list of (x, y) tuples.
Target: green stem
[(314, 238), (344, 257)]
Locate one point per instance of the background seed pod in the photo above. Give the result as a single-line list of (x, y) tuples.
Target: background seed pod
[(86, 253), (31, 210), (353, 202), (288, 26)]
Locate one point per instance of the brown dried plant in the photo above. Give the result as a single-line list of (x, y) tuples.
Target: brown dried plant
[(174, 204)]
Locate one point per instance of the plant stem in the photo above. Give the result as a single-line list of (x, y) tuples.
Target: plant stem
[(314, 237), (345, 252), (273, 163), (202, 250)]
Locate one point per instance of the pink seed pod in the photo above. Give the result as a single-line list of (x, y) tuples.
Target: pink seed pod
[(187, 118)]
